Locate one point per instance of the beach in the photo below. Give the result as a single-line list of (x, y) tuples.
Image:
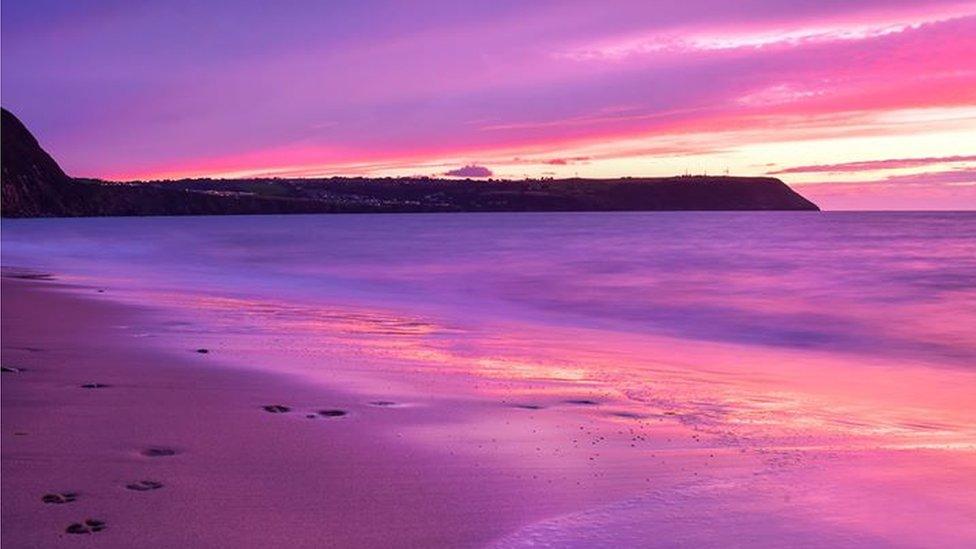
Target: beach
[(501, 275), (205, 402), (90, 404), (240, 476)]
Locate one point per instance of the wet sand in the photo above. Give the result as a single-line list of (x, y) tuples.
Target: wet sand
[(169, 452), (115, 439), (112, 441)]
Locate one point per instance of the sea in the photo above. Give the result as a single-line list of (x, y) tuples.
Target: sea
[(837, 350)]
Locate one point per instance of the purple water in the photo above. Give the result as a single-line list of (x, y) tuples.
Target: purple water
[(827, 347)]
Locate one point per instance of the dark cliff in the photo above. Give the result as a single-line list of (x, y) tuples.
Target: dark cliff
[(32, 182), (33, 185)]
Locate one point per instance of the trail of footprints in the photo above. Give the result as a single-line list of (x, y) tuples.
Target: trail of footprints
[(92, 526)]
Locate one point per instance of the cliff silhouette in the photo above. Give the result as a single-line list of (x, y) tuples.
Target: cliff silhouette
[(34, 185)]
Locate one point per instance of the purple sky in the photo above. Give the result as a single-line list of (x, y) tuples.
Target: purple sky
[(862, 103)]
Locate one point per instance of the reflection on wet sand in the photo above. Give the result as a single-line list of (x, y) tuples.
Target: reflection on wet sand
[(757, 397)]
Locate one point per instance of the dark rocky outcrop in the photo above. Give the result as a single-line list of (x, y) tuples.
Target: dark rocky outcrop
[(33, 185)]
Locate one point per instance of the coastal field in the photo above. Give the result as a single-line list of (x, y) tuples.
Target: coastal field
[(504, 380)]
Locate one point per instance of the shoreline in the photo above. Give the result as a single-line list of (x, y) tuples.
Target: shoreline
[(109, 392), (240, 476)]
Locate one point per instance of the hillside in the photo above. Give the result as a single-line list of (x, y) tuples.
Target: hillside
[(33, 185)]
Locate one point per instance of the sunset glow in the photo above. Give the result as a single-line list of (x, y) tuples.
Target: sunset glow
[(866, 104)]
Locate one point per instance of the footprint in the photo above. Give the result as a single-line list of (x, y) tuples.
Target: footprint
[(203, 351), (383, 403), (95, 386), (276, 408), (628, 415), (528, 406), (10, 370), (332, 413), (157, 451), (581, 402), (90, 526), (59, 498), (144, 485)]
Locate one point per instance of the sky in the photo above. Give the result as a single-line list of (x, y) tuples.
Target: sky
[(858, 104)]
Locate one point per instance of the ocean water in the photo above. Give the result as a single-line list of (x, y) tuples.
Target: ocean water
[(898, 286), (825, 347)]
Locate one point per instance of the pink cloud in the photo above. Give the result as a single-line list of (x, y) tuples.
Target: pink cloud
[(870, 165), (700, 37), (943, 177), (470, 171), (944, 190), (351, 94), (566, 161), (949, 177)]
